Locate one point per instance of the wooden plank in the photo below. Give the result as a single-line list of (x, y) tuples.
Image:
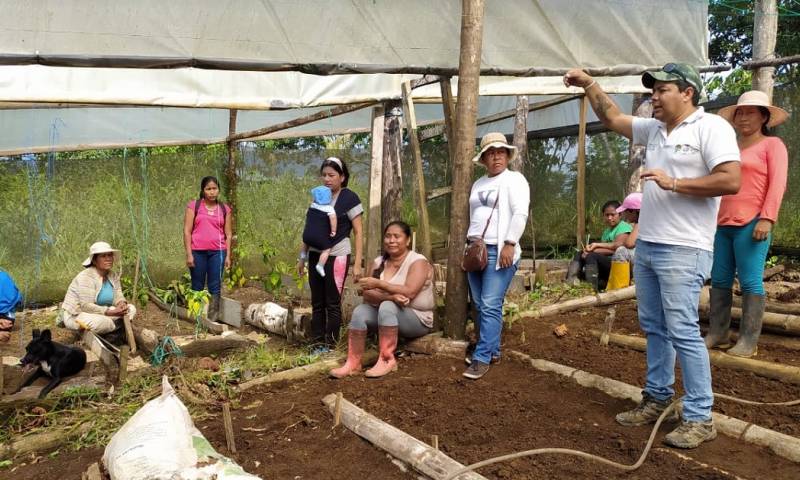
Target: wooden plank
[(423, 224), (422, 457), (580, 228), (466, 115), (107, 357), (296, 122), (228, 424), (374, 227)]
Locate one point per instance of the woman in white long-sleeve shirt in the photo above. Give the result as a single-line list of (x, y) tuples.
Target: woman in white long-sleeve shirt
[(498, 204)]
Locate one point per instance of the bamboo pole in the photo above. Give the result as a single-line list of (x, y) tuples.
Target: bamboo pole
[(600, 299), (466, 114), (374, 240), (421, 457), (777, 371), (448, 107), (423, 224), (296, 122), (580, 229), (228, 425), (765, 32), (783, 445)]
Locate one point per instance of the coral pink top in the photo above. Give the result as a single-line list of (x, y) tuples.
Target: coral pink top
[(209, 227), (764, 170)]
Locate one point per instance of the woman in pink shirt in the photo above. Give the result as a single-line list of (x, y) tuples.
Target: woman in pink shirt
[(745, 221), (206, 237)]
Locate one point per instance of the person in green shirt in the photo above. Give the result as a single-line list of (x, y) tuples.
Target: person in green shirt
[(594, 262)]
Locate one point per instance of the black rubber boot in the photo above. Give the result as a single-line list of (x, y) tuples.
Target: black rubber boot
[(573, 271), (749, 326), (592, 276), (213, 308), (719, 321)]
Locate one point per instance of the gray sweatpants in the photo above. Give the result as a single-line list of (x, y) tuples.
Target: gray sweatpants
[(388, 314)]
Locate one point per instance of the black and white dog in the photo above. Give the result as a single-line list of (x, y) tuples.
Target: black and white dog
[(52, 359)]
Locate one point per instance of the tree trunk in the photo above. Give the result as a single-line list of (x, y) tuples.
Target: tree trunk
[(466, 114), (580, 227), (374, 218), (423, 221), (232, 181), (765, 32), (392, 179)]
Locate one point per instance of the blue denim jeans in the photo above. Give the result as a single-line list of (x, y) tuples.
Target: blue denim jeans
[(488, 289), (668, 283), (735, 251), (208, 265)]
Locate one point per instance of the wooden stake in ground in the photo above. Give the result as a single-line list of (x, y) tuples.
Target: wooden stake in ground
[(226, 419), (609, 323), (125, 320), (466, 113), (124, 352), (337, 410), (435, 441)]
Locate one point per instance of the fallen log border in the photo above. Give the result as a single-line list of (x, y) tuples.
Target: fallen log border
[(42, 441), (305, 371), (420, 456), (606, 298), (784, 373), (781, 444), (183, 314)]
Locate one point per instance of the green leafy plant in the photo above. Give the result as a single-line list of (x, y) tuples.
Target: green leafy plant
[(141, 290), (235, 276), (195, 301), (771, 261)]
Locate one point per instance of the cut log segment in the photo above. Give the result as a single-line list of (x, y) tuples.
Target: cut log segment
[(777, 371), (29, 396), (600, 299), (419, 455), (773, 307), (773, 322), (435, 344), (783, 445), (42, 441)]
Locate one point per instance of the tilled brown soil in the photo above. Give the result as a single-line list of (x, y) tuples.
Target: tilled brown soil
[(580, 349)]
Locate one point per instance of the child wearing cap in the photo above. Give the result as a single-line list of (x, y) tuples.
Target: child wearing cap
[(320, 225), (622, 259)]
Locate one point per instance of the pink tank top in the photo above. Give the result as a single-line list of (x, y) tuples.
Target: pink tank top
[(209, 227), (425, 302)]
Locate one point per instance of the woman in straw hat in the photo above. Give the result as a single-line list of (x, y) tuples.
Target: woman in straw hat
[(94, 299), (745, 222), (498, 212)]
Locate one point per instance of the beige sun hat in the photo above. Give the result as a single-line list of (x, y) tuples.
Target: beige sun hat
[(495, 140), (98, 248), (756, 98)]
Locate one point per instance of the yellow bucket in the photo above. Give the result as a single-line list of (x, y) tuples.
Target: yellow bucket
[(620, 276)]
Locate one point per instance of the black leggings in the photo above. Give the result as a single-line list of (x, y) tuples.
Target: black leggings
[(326, 302), (603, 263)]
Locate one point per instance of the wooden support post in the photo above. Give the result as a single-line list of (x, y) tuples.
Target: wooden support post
[(466, 113), (374, 240), (423, 223), (765, 33), (228, 423), (232, 179), (124, 353), (392, 180), (125, 320), (642, 107), (541, 273), (448, 107), (521, 133), (580, 230)]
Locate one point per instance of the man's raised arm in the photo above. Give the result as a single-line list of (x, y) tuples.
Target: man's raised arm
[(606, 110)]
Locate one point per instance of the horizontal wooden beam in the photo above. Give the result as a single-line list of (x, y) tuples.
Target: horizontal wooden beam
[(771, 62), (296, 122), (424, 80)]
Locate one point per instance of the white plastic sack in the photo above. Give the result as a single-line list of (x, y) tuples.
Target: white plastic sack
[(160, 442), (268, 316)]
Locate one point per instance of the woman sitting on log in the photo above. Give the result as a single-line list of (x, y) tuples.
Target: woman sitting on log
[(745, 220), (398, 301), (94, 300)]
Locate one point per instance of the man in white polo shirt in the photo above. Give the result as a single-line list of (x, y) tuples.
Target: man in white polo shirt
[(692, 159)]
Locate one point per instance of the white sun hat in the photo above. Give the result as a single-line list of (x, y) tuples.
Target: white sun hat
[(756, 98), (98, 248), (495, 140)]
